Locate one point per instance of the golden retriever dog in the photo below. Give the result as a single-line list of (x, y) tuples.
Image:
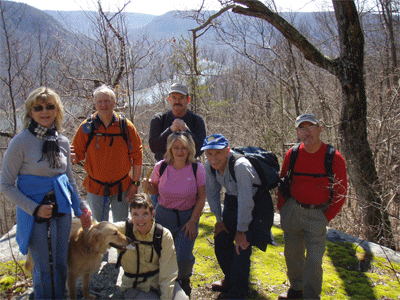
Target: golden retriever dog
[(85, 252)]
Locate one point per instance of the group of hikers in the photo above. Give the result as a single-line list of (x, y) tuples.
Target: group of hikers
[(37, 176)]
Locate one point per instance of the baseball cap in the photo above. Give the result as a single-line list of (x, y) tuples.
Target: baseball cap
[(215, 141), (179, 88), (306, 118)]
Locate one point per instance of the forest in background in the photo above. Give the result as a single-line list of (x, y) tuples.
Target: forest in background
[(246, 80)]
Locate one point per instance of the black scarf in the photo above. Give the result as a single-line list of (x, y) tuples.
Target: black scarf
[(50, 150)]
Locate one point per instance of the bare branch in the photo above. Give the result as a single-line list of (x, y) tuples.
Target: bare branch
[(122, 45), (7, 134), (311, 53)]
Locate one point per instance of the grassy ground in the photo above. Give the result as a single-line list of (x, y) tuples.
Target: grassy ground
[(349, 272)]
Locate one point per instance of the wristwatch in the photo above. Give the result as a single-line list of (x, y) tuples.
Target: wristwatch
[(137, 183)]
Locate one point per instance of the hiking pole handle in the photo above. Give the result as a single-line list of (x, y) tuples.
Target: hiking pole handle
[(147, 178)]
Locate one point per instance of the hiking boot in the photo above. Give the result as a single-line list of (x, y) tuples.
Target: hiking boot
[(221, 286), (185, 285), (292, 294), (222, 296)]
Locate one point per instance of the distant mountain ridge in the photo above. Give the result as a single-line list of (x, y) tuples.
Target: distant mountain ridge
[(29, 20), (159, 27), (81, 21), (168, 25)]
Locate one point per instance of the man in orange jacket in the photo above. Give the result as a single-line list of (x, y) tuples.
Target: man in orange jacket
[(111, 147)]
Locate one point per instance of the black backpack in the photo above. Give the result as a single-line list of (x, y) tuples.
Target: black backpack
[(264, 162), (284, 185), (91, 125), (157, 239)]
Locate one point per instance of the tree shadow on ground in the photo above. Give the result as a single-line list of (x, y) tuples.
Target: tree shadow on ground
[(351, 269)]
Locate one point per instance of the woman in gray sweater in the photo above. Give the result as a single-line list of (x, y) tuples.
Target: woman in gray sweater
[(36, 175)]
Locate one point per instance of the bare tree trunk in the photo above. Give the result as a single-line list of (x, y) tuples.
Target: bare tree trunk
[(387, 15), (353, 127)]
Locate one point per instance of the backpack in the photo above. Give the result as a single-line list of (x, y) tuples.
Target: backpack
[(164, 165), (264, 162), (284, 185), (157, 239), (91, 125)]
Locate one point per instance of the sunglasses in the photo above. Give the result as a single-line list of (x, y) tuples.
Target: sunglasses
[(38, 108), (184, 133)]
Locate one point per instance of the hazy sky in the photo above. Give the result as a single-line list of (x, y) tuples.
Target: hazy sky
[(157, 7)]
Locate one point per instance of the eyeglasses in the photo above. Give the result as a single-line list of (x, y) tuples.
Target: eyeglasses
[(184, 133), (308, 128), (38, 108)]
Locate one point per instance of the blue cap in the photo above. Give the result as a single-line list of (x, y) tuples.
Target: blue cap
[(215, 141)]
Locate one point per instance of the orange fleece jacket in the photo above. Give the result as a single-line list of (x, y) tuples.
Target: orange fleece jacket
[(108, 163)]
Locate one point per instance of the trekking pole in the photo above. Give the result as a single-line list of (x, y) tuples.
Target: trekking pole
[(147, 178), (53, 294), (106, 194)]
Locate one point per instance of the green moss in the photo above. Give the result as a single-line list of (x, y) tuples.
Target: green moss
[(7, 282), (10, 274), (349, 272), (342, 262)]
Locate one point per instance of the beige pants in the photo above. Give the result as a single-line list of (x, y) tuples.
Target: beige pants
[(304, 229)]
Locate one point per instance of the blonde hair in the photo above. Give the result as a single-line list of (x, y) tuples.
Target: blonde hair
[(104, 89), (187, 141), (43, 94)]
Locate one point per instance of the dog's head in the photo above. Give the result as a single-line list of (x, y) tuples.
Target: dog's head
[(104, 235)]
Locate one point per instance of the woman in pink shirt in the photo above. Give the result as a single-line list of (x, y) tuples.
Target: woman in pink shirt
[(180, 182)]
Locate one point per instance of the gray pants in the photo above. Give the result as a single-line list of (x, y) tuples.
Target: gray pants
[(119, 209), (304, 229), (179, 294)]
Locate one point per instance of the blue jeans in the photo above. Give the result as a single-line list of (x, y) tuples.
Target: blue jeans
[(174, 221), (236, 268), (119, 209), (38, 246)]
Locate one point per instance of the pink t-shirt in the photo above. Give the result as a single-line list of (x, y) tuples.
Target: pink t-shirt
[(178, 188)]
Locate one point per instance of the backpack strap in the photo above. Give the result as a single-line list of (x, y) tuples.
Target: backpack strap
[(293, 158), (231, 164), (162, 168), (157, 238), (194, 167), (129, 234), (90, 126), (123, 124), (330, 153)]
